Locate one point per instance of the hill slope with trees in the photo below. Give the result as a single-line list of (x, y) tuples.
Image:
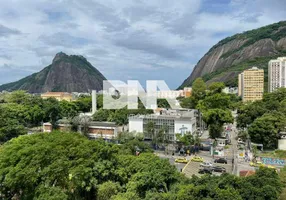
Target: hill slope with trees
[(225, 60)]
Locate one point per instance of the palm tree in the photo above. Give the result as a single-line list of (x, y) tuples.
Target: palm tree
[(166, 139), (150, 129), (82, 122)]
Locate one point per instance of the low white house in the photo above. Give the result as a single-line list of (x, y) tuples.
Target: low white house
[(172, 121)]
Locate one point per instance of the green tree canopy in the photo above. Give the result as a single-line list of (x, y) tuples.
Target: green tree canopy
[(219, 100), (189, 102), (62, 160), (187, 139), (215, 118), (199, 89), (264, 131), (101, 115), (265, 118), (69, 166), (216, 87)]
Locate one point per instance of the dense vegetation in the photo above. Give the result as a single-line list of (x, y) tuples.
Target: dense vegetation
[(272, 31), (120, 116), (264, 119), (215, 105), (21, 111), (260, 62), (69, 166), (33, 79)]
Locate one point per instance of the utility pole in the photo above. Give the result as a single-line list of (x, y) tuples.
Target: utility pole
[(201, 124)]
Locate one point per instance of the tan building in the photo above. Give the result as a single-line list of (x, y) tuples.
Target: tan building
[(173, 94), (187, 92), (47, 127), (276, 74), (251, 84), (64, 125), (105, 130), (60, 96)]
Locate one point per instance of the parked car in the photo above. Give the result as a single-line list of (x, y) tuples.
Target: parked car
[(256, 164), (220, 160), (205, 171), (219, 169), (181, 160), (206, 164), (197, 159), (270, 167), (205, 146)]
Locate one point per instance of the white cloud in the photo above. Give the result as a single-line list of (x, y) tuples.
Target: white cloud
[(128, 38)]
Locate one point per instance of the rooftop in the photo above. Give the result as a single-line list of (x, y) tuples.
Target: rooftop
[(246, 173), (55, 94), (167, 114), (103, 124)]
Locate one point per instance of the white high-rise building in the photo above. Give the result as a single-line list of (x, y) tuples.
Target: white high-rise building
[(276, 73)]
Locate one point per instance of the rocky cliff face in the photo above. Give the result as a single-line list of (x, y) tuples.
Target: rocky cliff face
[(232, 55), (66, 74)]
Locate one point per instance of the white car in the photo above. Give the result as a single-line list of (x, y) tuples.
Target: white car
[(206, 164)]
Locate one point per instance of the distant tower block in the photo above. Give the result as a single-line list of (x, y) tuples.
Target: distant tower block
[(93, 94)]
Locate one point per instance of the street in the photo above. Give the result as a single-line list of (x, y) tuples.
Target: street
[(233, 166), (172, 159)]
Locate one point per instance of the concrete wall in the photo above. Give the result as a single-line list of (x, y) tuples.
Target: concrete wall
[(93, 96), (136, 125), (105, 132), (282, 144), (188, 124)]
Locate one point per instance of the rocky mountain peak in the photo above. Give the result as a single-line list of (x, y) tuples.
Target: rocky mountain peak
[(59, 56), (72, 74)]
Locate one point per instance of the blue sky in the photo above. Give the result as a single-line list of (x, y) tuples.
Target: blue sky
[(126, 39)]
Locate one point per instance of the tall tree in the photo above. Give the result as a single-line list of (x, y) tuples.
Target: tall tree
[(263, 131), (216, 87), (150, 129), (215, 118), (218, 100), (199, 89), (189, 102), (101, 115), (68, 109), (66, 163)]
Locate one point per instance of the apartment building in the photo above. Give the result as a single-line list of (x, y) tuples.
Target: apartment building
[(251, 84), (276, 74)]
